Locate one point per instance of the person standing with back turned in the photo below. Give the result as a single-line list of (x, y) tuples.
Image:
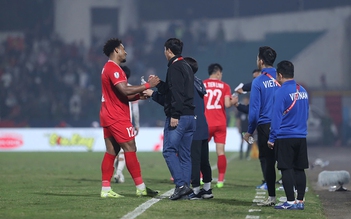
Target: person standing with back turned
[(115, 119), (199, 145), (288, 135), (180, 125), (260, 112), (218, 98)]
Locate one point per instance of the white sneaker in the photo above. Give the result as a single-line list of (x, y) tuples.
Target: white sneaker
[(119, 178), (269, 202)]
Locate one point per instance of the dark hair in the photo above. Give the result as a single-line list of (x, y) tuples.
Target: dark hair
[(175, 45), (110, 45), (286, 68), (267, 55), (193, 63), (213, 68), (256, 70), (126, 70)]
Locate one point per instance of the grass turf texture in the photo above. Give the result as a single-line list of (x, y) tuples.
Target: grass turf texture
[(67, 185)]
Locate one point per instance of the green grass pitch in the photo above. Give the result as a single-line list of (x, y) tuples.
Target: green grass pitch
[(67, 185)]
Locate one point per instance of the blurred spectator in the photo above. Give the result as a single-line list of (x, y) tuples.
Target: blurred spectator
[(45, 81), (220, 43)]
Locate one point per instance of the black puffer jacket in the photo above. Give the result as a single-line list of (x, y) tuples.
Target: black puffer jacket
[(178, 89)]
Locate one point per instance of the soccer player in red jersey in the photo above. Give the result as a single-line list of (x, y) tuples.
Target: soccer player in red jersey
[(218, 98), (115, 119), (134, 117)]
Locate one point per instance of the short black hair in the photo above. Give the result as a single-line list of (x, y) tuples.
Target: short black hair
[(126, 71), (267, 55), (193, 63), (175, 45), (213, 68), (286, 68), (110, 45), (256, 70)]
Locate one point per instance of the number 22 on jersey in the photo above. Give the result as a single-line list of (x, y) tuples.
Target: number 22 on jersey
[(214, 97)]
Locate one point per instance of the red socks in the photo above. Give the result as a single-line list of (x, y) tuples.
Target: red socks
[(133, 167), (107, 169), (222, 167)]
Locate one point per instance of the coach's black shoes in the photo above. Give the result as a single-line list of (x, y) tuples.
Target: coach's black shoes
[(194, 196), (180, 192), (206, 194), (203, 194)]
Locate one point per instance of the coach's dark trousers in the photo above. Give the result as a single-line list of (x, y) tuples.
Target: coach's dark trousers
[(200, 161), (267, 157)]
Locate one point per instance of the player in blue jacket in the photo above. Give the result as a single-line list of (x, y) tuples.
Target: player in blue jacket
[(288, 135), (261, 102)]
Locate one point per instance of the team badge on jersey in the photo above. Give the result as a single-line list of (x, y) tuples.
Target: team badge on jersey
[(116, 74)]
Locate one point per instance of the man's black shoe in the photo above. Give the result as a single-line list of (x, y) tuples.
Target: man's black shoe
[(181, 191), (194, 196), (206, 194)]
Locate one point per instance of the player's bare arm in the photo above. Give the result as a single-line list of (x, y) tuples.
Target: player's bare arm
[(135, 89), (227, 102), (134, 97)]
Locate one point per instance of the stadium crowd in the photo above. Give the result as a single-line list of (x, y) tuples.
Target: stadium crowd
[(46, 82)]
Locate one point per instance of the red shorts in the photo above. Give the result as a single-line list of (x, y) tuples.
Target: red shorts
[(219, 133), (121, 131)]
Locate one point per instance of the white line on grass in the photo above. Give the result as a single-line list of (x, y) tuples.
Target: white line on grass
[(253, 210), (258, 198), (252, 217), (143, 207)]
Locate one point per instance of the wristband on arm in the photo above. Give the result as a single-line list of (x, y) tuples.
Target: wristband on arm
[(147, 85)]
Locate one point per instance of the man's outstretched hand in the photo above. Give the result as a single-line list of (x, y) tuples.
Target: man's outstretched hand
[(153, 80)]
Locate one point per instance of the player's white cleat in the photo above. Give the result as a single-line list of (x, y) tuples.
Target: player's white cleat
[(119, 178)]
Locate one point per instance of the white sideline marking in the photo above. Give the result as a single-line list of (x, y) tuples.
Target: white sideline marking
[(253, 210), (143, 207), (257, 200), (252, 217)]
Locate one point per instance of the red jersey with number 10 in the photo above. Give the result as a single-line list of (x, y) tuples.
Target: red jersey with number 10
[(114, 105), (214, 101)]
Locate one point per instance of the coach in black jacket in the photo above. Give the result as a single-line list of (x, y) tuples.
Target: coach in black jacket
[(178, 90), (199, 146)]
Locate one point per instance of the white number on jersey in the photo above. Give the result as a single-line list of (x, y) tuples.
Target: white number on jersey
[(215, 95)]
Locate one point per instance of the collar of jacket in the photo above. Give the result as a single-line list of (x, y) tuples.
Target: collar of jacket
[(172, 59)]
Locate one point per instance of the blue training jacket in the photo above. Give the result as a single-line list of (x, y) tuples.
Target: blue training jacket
[(294, 123), (261, 99)]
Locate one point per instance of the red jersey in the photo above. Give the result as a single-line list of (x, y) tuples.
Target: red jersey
[(114, 105), (214, 101)]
